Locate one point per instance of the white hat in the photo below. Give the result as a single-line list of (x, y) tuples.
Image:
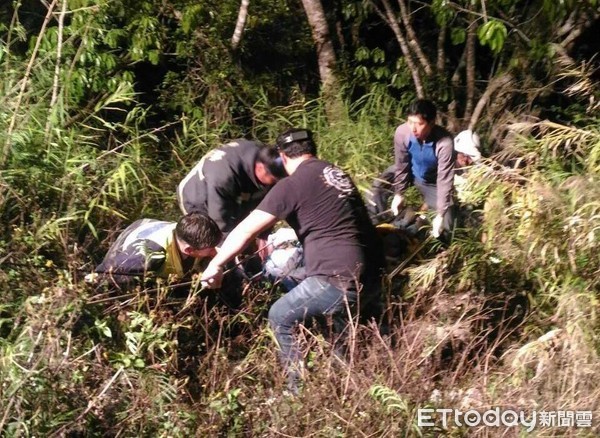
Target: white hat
[(467, 142)]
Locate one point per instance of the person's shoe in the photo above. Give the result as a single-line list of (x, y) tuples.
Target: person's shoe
[(295, 379)]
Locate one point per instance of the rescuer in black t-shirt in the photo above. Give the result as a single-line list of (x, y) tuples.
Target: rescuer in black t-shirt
[(341, 248)]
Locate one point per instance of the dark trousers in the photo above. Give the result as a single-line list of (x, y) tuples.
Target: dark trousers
[(377, 198), (381, 192)]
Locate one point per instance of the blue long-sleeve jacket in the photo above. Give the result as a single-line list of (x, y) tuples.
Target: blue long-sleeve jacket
[(430, 162)]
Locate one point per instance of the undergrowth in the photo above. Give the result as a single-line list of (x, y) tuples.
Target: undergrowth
[(506, 316)]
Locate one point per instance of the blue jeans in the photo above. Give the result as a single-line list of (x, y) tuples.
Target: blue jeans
[(313, 297)]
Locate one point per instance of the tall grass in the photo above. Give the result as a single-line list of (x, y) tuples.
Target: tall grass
[(506, 316), (360, 142), (507, 321)]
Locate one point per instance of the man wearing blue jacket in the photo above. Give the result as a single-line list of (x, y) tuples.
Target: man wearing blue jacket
[(466, 151), (424, 157)]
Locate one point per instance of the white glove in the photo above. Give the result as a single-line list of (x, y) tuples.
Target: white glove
[(436, 226), (91, 278), (397, 201)]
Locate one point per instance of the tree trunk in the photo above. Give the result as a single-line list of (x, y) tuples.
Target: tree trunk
[(413, 41), (326, 57), (239, 26), (495, 84), (453, 123), (441, 51), (470, 70), (390, 18)]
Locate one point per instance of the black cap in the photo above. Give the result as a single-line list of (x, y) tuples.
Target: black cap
[(290, 137)]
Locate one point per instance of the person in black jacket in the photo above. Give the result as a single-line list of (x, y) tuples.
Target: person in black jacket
[(230, 181)]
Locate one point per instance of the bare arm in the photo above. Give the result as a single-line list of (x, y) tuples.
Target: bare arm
[(236, 241)]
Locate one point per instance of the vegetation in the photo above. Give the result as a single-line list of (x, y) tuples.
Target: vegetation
[(104, 107)]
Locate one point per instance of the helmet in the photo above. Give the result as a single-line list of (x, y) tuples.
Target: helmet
[(467, 142)]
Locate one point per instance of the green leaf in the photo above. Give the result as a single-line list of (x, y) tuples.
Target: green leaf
[(362, 54), (493, 34), (378, 55), (458, 35), (103, 327)]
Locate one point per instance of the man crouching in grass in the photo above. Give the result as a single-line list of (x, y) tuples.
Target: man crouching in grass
[(162, 249)]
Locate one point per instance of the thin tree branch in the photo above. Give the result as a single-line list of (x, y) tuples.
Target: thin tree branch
[(413, 41), (24, 81), (441, 50), (389, 17), (502, 19), (484, 9), (239, 26), (576, 32), (495, 84), (568, 25), (11, 28), (91, 403), (54, 98), (470, 70)]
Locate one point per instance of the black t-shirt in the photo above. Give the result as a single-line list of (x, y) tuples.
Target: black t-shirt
[(325, 209)]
